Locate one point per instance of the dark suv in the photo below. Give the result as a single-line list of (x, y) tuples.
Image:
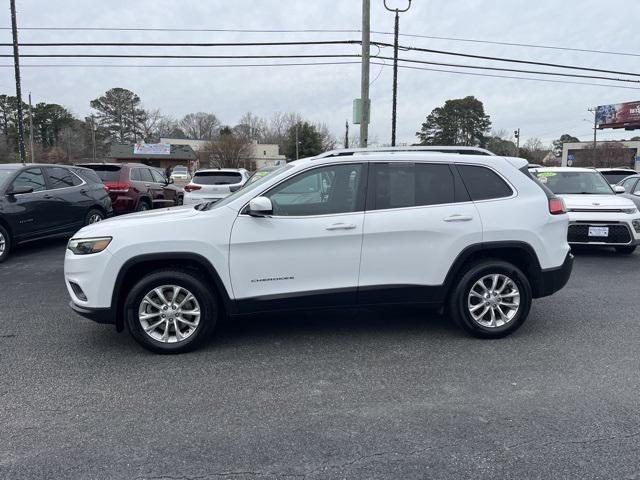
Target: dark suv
[(38, 201), (134, 187)]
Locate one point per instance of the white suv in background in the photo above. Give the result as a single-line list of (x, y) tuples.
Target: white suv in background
[(211, 185), (598, 216), (472, 232)]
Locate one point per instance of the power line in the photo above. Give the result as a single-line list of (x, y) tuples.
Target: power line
[(512, 77), (245, 44), (116, 55), (510, 60), (327, 30)]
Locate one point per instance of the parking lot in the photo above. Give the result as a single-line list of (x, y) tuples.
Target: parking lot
[(374, 393)]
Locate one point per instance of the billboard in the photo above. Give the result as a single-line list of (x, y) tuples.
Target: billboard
[(620, 115), (152, 149)]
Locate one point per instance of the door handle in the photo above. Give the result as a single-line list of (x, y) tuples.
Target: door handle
[(47, 197), (83, 191), (458, 218), (341, 226)]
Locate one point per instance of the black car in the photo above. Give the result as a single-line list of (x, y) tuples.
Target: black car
[(38, 201)]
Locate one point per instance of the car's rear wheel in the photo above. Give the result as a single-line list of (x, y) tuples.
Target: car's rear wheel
[(143, 205), (5, 244), (491, 300), (171, 311), (626, 249), (93, 216), (180, 200)]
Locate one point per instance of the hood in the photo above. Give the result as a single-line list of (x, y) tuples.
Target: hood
[(596, 202), (149, 217)]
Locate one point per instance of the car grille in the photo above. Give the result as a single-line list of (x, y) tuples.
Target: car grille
[(618, 234)]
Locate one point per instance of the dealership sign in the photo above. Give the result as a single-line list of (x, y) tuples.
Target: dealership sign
[(152, 149), (621, 115)]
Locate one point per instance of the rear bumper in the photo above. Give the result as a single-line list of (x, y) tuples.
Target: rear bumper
[(554, 279), (98, 315)]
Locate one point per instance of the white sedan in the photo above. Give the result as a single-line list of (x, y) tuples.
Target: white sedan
[(211, 185)]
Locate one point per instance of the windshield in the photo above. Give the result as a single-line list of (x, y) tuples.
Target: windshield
[(258, 175), (179, 169), (230, 198), (216, 178), (590, 183)]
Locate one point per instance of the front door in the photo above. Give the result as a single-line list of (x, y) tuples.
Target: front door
[(29, 214), (307, 254), (419, 218)]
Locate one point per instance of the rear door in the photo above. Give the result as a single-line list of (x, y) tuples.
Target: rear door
[(307, 254), (69, 196), (147, 184), (419, 218)]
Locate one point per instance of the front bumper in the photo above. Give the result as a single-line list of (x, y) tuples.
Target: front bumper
[(98, 315), (553, 279)]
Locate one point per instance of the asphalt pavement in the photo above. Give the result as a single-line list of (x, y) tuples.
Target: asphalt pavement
[(387, 393)]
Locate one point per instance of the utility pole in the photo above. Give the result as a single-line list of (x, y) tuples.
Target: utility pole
[(595, 135), (516, 134), (133, 121), (31, 130), (93, 137), (16, 64), (395, 70), (346, 134), (297, 144), (364, 87)]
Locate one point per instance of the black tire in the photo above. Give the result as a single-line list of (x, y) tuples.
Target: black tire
[(5, 244), (186, 280), (93, 216), (143, 205), (179, 201), (626, 250), (458, 300)]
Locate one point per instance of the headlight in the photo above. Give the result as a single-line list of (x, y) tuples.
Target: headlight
[(630, 211), (86, 246)]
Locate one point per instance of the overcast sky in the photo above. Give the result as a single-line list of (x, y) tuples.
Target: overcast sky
[(325, 93)]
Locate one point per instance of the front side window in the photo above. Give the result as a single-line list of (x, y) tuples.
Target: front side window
[(629, 183), (145, 175), (321, 191), (636, 190), (62, 178), (399, 185), (483, 183), (158, 177), (32, 178)]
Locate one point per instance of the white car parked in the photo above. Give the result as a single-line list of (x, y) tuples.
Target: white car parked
[(180, 173), (211, 185), (598, 216), (475, 233)]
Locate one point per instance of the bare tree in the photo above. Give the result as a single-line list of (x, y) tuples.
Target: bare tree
[(200, 126), (329, 142), (252, 127), (229, 150)]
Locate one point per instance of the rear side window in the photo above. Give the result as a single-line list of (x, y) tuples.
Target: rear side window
[(398, 185), (217, 178), (62, 178), (483, 183), (107, 173)]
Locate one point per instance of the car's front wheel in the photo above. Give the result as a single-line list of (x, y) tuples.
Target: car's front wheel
[(93, 216), (626, 249), (171, 311), (5, 244), (491, 300)]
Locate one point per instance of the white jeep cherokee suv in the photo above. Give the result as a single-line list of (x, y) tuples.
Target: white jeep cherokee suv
[(473, 232), (597, 216)]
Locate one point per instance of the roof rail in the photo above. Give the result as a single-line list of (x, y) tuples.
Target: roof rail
[(431, 148)]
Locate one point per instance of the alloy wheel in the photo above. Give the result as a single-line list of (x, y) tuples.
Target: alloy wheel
[(95, 218), (169, 314), (494, 300), (3, 243)]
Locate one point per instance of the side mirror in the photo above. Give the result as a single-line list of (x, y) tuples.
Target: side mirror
[(20, 191), (260, 207), (618, 189)]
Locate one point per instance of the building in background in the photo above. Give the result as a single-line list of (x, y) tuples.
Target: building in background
[(258, 154), (625, 153), (161, 155)]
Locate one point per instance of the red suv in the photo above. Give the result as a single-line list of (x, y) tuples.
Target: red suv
[(134, 187)]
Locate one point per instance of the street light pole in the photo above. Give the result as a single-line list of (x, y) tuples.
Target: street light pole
[(516, 134), (595, 135), (395, 70), (364, 80), (16, 65), (31, 131)]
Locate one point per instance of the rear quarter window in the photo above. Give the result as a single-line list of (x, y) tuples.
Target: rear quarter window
[(483, 183)]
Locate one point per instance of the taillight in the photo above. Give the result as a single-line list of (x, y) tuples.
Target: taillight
[(191, 187), (556, 206), (117, 187)]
